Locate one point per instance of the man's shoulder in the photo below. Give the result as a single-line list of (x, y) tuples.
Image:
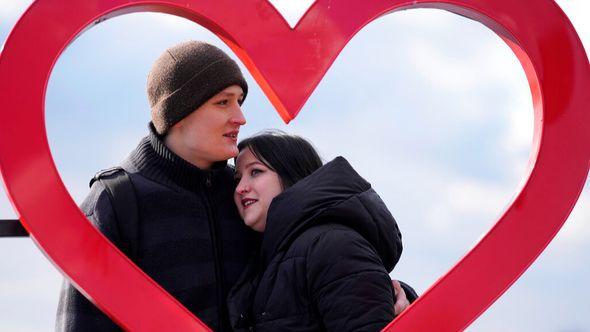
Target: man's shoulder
[(106, 173), (98, 198)]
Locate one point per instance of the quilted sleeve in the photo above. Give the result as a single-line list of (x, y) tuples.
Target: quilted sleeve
[(349, 285)]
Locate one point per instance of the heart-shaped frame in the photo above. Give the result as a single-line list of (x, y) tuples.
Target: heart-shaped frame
[(288, 64)]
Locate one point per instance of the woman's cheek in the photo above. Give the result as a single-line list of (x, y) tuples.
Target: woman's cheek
[(238, 206)]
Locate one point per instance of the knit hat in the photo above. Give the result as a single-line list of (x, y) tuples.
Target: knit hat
[(184, 77)]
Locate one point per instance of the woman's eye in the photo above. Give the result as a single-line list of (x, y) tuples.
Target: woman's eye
[(255, 172), (223, 102)]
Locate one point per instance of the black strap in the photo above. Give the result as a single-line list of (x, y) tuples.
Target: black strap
[(12, 228), (124, 200)]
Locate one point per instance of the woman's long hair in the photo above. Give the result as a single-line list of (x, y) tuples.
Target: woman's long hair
[(291, 157)]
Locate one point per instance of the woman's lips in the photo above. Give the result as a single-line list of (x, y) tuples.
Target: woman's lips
[(247, 202)]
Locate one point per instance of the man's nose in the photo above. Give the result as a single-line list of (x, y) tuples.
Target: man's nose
[(238, 118)]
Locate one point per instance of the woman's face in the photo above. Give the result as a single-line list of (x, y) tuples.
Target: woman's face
[(257, 187)]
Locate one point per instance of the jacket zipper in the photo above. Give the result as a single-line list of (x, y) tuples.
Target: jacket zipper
[(213, 231)]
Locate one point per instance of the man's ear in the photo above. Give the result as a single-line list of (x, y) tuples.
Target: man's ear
[(178, 124)]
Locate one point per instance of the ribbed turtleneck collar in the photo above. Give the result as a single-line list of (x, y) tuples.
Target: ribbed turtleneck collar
[(156, 161)]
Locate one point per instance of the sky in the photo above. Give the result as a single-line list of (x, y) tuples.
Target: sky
[(432, 108)]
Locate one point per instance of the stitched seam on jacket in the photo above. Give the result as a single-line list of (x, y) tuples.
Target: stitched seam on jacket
[(345, 277)]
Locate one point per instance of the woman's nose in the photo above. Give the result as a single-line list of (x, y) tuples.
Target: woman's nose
[(242, 188)]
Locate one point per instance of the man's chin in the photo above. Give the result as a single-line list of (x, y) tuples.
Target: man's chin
[(231, 153)]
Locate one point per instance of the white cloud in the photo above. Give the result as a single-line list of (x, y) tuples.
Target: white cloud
[(29, 285), (11, 8), (291, 10), (517, 140), (466, 200), (438, 69), (490, 59), (520, 125), (576, 231), (6, 210)]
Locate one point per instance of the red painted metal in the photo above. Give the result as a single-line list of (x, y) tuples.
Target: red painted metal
[(288, 64)]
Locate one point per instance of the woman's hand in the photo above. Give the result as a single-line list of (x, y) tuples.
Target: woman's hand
[(401, 301)]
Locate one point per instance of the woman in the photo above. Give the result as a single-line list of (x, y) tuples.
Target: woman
[(328, 245)]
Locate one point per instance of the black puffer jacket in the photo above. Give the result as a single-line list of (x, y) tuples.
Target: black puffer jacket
[(191, 239), (329, 244)]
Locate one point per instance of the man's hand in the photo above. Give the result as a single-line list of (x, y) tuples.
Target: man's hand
[(401, 301)]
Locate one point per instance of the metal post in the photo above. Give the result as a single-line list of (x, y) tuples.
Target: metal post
[(12, 228)]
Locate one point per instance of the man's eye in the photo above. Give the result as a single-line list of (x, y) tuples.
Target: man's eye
[(223, 102)]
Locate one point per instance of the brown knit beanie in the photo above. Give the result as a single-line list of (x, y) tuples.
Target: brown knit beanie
[(184, 77)]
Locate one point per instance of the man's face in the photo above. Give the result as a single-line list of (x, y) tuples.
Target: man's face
[(210, 133)]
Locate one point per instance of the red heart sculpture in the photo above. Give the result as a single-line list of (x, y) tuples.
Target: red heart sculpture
[(288, 64)]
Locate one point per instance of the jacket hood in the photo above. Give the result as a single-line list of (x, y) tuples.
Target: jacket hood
[(337, 194)]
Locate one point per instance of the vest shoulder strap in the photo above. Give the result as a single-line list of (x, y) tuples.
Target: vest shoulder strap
[(123, 198)]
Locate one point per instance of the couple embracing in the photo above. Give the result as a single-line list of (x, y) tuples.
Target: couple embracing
[(281, 242)]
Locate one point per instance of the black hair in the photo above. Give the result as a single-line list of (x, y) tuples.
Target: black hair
[(291, 157)]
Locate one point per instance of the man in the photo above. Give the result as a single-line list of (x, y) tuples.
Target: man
[(190, 237)]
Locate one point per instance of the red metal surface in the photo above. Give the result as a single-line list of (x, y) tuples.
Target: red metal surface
[(288, 64)]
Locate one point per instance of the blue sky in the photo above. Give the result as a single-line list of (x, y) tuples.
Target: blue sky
[(433, 109)]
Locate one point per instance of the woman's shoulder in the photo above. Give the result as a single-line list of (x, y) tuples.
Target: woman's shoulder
[(329, 240), (334, 252)]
